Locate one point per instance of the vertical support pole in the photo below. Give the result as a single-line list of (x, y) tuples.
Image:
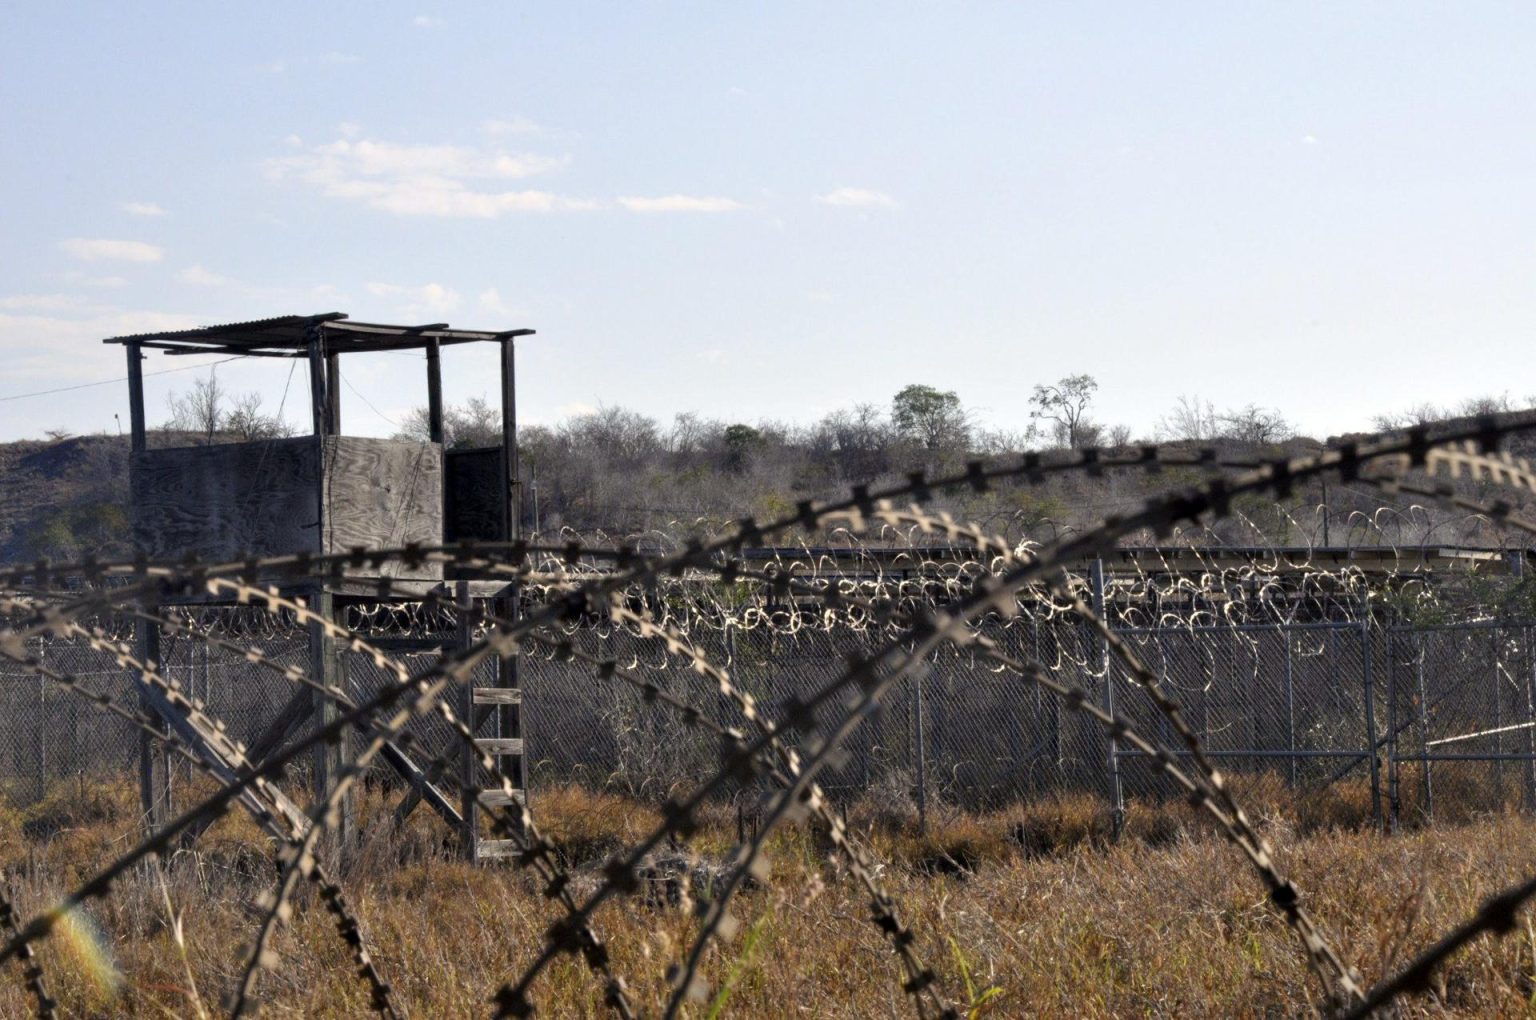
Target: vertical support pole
[(332, 393), (434, 390), (469, 764), (1498, 720), (922, 749), (1116, 790), (328, 667), (1393, 798), (1528, 801), (136, 397), (1290, 709), (1368, 686), (509, 718), (1429, 787), (512, 503), (318, 401), (154, 762)]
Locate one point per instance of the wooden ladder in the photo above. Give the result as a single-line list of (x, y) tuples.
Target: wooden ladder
[(494, 717)]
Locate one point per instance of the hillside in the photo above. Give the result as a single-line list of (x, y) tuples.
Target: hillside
[(68, 498)]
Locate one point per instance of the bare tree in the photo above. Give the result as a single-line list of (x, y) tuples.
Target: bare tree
[(1064, 405), (473, 423), (1261, 426), (1191, 418), (247, 423), (201, 410), (1418, 414)]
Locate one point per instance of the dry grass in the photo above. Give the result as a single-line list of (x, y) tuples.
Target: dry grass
[(1036, 903)]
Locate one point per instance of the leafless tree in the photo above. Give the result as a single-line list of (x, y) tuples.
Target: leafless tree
[(201, 410), (474, 423), (247, 423), (1261, 426), (1192, 419)]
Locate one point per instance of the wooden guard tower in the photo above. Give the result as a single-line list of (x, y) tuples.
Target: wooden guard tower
[(331, 493)]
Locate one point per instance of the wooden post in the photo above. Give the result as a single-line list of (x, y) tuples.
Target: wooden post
[(509, 717), (317, 388), (469, 765), (512, 508), (1116, 791), (434, 391), (332, 393), (136, 396), (328, 667), (154, 762)]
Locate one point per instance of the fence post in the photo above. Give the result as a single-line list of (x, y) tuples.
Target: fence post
[(922, 760), (1116, 791), (1429, 787), (1369, 687), (1290, 710), (1393, 799), (1529, 800)]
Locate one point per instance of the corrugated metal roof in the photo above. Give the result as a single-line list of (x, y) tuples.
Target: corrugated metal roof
[(288, 335)]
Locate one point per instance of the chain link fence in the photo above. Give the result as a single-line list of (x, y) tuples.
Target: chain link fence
[(1338, 721)]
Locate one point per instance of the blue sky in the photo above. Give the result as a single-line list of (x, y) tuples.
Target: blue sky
[(757, 210)]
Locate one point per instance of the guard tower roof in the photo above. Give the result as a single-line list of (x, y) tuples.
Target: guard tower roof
[(288, 336)]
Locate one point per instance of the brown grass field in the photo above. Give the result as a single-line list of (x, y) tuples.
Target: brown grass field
[(1029, 912)]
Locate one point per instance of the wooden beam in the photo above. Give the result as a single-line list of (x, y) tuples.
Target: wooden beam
[(317, 381), (512, 517), (332, 393), (136, 397), (327, 666), (434, 391)]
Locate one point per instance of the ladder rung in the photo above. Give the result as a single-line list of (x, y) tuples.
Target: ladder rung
[(500, 745), (498, 696), (500, 798), (494, 848)]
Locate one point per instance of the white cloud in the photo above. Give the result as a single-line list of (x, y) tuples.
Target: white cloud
[(511, 126), (491, 303), (62, 349), (273, 67), (1309, 139), (202, 277), (424, 180), (576, 409), (428, 299), (336, 58), (863, 197), (426, 21), (679, 203), (349, 129), (92, 250), (143, 209)]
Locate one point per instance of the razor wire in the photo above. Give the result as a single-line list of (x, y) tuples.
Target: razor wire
[(905, 621)]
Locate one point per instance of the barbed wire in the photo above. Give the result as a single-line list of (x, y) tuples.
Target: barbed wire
[(929, 602)]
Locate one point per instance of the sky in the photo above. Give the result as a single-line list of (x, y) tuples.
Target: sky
[(774, 210)]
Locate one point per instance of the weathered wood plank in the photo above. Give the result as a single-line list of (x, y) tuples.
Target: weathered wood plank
[(498, 696), (220, 502), (500, 745), (383, 493), (500, 798)]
